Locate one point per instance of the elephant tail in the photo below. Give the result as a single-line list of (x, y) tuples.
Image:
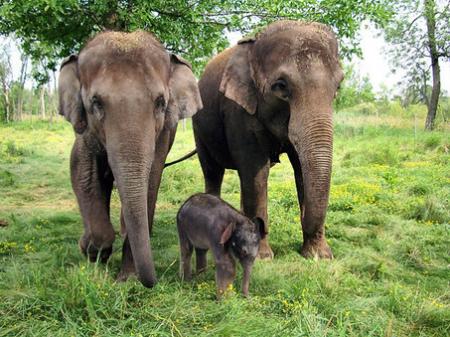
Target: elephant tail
[(189, 155)]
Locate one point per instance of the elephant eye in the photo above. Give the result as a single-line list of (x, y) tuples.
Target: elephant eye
[(97, 107), (160, 103), (96, 102), (280, 88), (279, 84)]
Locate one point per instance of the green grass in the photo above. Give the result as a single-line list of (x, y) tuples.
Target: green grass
[(388, 226)]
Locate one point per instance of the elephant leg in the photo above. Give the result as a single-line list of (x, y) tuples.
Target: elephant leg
[(201, 259), (92, 183), (254, 200), (163, 146), (212, 171), (314, 243), (127, 267), (186, 250), (123, 227)]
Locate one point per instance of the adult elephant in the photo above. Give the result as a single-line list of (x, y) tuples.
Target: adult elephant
[(124, 95), (269, 95)]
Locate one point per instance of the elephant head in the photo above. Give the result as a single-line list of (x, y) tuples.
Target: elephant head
[(287, 77), (124, 89)]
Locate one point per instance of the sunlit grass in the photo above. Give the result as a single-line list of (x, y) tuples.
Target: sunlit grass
[(388, 226)]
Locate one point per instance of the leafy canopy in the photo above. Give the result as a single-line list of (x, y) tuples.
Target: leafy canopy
[(197, 29)]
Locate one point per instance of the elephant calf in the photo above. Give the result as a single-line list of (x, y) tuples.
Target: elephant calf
[(207, 222)]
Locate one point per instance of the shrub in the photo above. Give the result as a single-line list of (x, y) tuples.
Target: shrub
[(382, 156), (393, 108), (432, 141), (419, 189), (428, 209), (6, 179), (365, 108), (418, 110), (12, 153)]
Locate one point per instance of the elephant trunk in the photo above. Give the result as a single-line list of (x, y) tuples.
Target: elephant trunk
[(131, 162), (247, 267), (311, 134)]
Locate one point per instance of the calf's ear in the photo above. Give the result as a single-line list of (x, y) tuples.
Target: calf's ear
[(226, 234), (260, 226)]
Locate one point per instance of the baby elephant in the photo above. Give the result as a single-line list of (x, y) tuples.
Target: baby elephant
[(207, 222)]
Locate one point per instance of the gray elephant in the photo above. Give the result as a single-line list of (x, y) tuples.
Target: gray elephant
[(124, 95), (206, 222), (269, 95)]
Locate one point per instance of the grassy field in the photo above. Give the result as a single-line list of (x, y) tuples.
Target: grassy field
[(388, 226)]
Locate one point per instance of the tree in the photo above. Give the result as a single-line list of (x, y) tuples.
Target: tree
[(417, 88), (50, 30), (354, 89), (420, 36), (20, 85), (6, 80)]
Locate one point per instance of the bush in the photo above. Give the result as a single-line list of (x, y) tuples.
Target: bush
[(15, 151), (432, 141), (443, 113), (418, 110), (389, 108), (366, 108), (6, 179), (10, 152), (392, 108), (419, 189), (428, 210)]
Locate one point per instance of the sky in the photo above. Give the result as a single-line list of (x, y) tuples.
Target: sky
[(374, 62)]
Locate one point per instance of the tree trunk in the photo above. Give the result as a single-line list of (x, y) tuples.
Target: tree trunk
[(30, 104), (49, 101), (430, 12), (20, 105), (5, 91), (7, 105), (42, 99), (54, 96), (22, 79)]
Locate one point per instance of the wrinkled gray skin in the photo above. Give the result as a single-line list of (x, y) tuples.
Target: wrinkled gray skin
[(207, 222), (124, 95), (269, 95)]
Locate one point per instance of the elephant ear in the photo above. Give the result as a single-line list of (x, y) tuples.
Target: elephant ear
[(237, 83), (227, 232), (69, 88), (185, 99)]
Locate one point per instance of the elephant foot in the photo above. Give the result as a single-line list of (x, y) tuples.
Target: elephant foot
[(92, 252), (265, 252), (316, 249), (199, 271), (127, 268), (125, 274), (186, 277)]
